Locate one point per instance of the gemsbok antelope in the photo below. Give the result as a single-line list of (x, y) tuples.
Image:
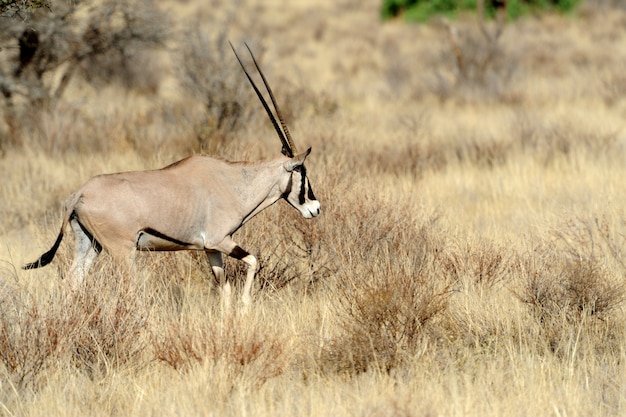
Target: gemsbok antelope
[(196, 203)]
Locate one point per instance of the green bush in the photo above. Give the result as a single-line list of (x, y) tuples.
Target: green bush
[(422, 10)]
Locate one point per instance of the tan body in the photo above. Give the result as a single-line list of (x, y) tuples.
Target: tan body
[(194, 204), (224, 196)]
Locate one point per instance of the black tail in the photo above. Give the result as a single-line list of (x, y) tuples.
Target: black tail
[(47, 257)]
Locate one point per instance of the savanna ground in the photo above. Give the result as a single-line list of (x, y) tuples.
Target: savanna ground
[(469, 259)]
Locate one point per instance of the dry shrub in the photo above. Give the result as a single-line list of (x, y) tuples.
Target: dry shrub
[(32, 339), (484, 262), (300, 260), (246, 349), (384, 309), (98, 328), (572, 289), (383, 320), (375, 227), (112, 316), (63, 129), (117, 42), (478, 319), (573, 297), (390, 287), (103, 42), (589, 289)]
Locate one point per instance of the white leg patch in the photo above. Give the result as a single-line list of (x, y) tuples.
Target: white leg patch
[(84, 254), (253, 266)]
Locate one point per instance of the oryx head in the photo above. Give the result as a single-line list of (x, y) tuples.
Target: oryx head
[(297, 189)]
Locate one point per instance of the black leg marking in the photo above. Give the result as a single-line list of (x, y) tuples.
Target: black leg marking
[(238, 253), (160, 235), (94, 243)]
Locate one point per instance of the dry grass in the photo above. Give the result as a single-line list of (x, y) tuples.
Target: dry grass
[(468, 260)]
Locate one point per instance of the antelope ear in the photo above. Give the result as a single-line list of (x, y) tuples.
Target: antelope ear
[(297, 160)]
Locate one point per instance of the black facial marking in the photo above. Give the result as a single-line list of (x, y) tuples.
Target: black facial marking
[(310, 191), (302, 170), (289, 186)]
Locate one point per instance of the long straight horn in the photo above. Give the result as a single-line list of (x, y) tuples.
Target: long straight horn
[(288, 148), (292, 147)]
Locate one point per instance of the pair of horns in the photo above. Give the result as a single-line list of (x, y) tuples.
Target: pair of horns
[(289, 149)]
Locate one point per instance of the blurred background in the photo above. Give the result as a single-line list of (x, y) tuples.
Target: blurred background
[(159, 76)]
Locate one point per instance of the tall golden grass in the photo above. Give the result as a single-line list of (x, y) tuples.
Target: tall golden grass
[(469, 259)]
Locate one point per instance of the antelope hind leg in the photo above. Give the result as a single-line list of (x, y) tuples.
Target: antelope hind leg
[(86, 250), (217, 266)]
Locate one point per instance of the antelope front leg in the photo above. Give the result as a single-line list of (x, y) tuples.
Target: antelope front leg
[(235, 251), (253, 267)]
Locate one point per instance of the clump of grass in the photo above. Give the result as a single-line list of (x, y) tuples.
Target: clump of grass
[(243, 347), (483, 262), (575, 297), (112, 314), (548, 142), (409, 157), (32, 340), (573, 290), (98, 329), (419, 159)]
